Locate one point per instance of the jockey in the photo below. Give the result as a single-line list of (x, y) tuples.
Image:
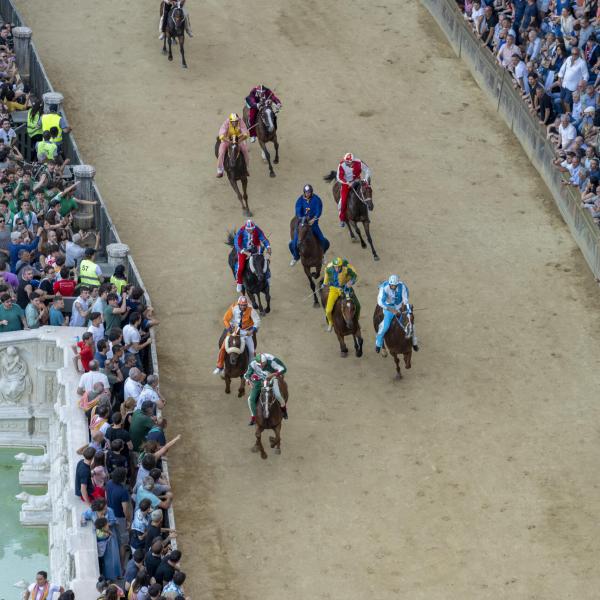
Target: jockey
[(349, 170), (167, 6), (264, 367), (339, 274), (393, 294), (232, 127), (308, 205), (248, 239), (253, 99), (243, 317)]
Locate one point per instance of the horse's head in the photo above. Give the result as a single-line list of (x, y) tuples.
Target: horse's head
[(233, 151), (265, 112), (348, 309), (364, 192), (259, 266), (304, 229), (178, 15), (235, 345), (406, 320)]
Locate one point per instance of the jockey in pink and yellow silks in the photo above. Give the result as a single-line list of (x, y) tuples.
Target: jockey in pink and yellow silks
[(233, 127)]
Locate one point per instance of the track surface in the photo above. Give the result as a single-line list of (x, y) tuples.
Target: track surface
[(473, 478)]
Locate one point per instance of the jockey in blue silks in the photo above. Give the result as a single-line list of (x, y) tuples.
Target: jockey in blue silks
[(308, 205), (393, 293)]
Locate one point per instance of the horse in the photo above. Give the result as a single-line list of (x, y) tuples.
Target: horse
[(269, 416), (345, 320), (266, 131), (311, 251), (360, 203), (236, 358), (398, 338), (256, 276), (175, 30), (235, 167)]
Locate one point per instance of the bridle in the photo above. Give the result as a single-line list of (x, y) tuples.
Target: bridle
[(265, 113), (359, 187), (347, 305), (408, 327), (233, 151), (181, 16), (303, 222), (267, 397)]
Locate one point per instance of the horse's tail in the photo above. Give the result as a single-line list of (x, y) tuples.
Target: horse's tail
[(230, 238), (330, 177)]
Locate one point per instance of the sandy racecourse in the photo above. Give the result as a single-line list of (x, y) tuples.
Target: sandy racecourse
[(476, 476)]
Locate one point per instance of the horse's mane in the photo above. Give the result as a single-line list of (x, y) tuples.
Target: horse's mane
[(230, 237)]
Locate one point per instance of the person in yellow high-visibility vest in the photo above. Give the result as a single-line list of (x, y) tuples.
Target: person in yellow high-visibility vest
[(90, 273), (46, 149), (53, 119), (34, 125)]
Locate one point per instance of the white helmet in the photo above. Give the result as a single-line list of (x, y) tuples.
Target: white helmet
[(393, 280)]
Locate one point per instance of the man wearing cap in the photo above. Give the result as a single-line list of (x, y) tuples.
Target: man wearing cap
[(53, 119), (308, 206), (90, 273), (264, 367), (248, 240), (339, 274), (244, 318), (585, 126), (349, 170), (392, 296)]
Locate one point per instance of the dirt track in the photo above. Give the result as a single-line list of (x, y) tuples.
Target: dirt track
[(475, 477)]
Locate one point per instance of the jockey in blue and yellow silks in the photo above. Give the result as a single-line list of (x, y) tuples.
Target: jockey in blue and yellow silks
[(339, 274), (393, 294), (309, 206)]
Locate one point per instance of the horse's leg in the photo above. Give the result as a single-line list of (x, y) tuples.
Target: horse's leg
[(267, 156), (242, 387), (227, 384), (312, 286), (259, 445), (276, 144), (164, 50), (236, 189), (358, 342), (181, 43), (407, 357), (170, 41), (277, 443), (252, 299), (245, 196), (261, 310), (367, 227), (351, 232), (343, 347), (397, 362), (360, 237), (268, 299)]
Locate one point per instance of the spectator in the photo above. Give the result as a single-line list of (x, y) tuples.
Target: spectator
[(133, 384), (83, 476), (12, 316), (141, 423), (113, 313), (133, 339), (96, 327), (65, 286), (56, 316), (36, 313), (136, 562), (42, 589), (84, 352), (87, 380), (571, 73), (81, 308), (167, 568), (151, 392)]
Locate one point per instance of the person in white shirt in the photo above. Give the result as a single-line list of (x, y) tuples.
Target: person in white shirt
[(573, 70), (96, 328), (81, 308), (150, 392), (519, 70), (132, 337), (42, 589), (566, 132), (133, 384), (87, 380), (508, 50)]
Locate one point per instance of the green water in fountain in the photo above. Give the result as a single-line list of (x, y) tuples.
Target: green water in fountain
[(23, 550)]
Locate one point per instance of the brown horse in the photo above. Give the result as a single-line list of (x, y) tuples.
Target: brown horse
[(236, 358), (269, 416), (266, 131), (174, 29), (235, 167), (345, 320), (360, 203), (311, 251), (398, 339)]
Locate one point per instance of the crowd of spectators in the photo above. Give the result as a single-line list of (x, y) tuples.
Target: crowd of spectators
[(552, 50), (45, 263)]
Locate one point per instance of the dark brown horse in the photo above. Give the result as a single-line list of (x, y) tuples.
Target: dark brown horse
[(269, 416), (345, 320), (174, 29), (398, 339), (311, 251), (236, 359), (360, 203), (235, 167), (266, 131)]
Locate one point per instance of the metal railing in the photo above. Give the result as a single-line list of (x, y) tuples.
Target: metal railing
[(495, 80), (39, 83)]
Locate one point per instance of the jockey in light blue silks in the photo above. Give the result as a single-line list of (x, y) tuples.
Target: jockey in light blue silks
[(311, 206), (393, 293)]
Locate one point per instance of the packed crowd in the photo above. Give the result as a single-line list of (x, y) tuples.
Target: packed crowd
[(45, 264), (552, 50)]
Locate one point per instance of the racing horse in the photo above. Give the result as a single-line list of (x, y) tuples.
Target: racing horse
[(256, 276), (236, 358), (360, 203), (269, 416), (398, 339), (311, 251), (266, 131), (345, 320), (236, 169), (175, 30)]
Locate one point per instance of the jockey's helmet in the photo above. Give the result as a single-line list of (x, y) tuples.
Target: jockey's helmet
[(337, 262), (242, 301), (250, 225), (394, 280), (308, 189), (260, 89), (233, 117), (348, 157), (260, 358)]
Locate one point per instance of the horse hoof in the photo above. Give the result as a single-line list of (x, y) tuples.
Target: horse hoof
[(363, 245), (277, 451), (254, 449), (354, 240), (276, 161), (407, 366), (272, 174), (262, 313), (184, 66), (264, 456), (228, 391), (398, 376), (344, 354), (240, 393), (170, 58), (359, 353), (267, 310), (315, 305), (375, 257)]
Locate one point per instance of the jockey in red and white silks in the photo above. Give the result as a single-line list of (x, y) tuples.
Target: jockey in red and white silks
[(349, 170)]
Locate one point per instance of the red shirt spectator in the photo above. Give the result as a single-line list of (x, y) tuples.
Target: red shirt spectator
[(86, 353), (65, 287)]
